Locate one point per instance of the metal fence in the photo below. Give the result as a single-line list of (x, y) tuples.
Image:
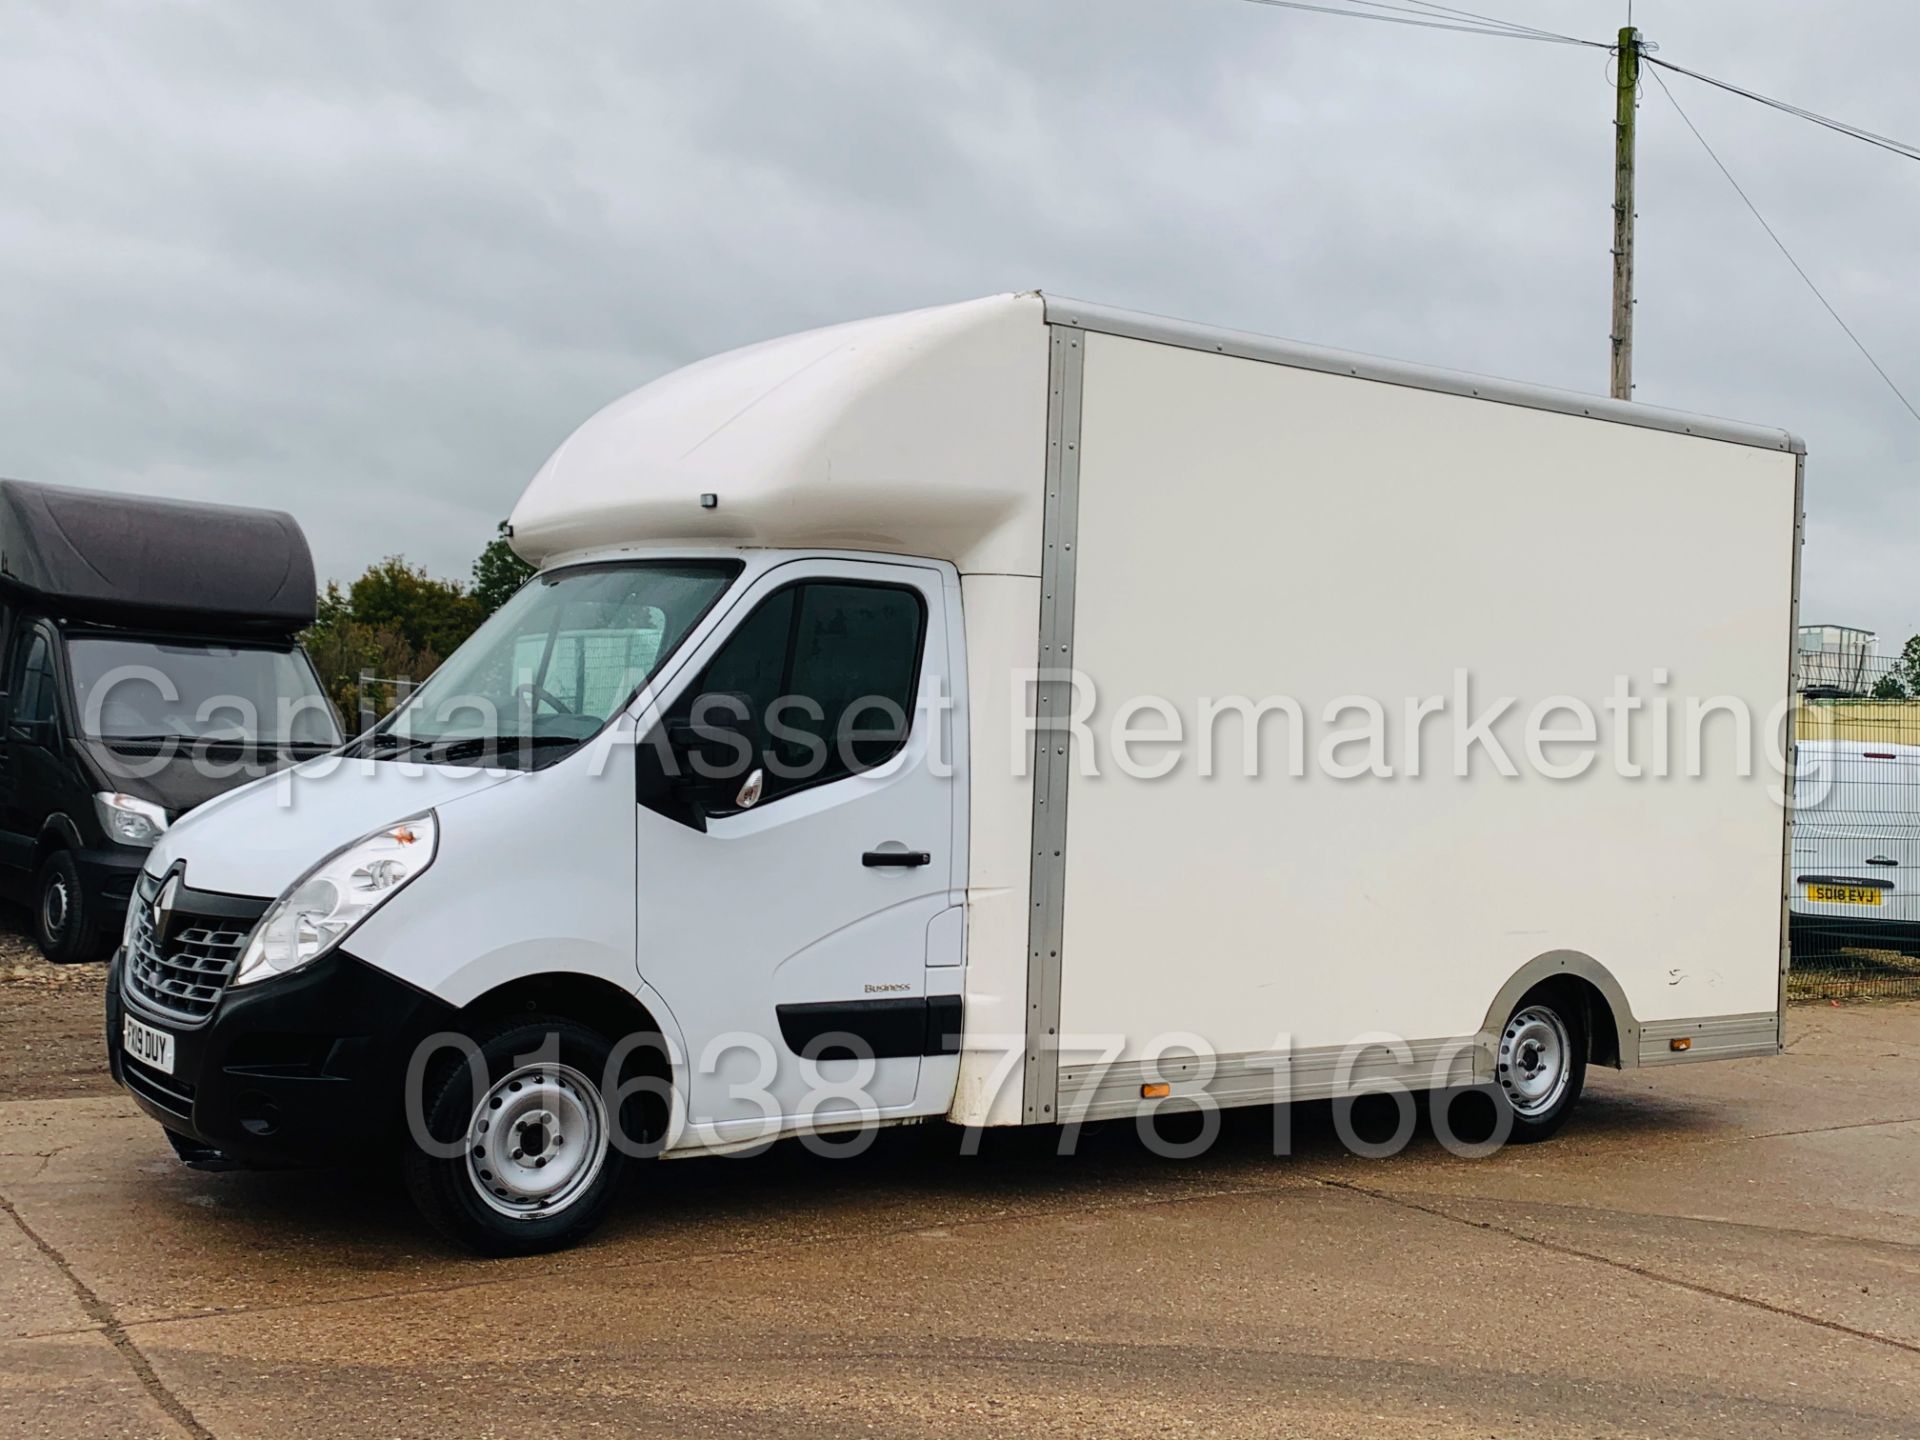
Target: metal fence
[(1854, 880)]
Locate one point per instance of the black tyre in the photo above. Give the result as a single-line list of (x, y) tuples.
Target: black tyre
[(1541, 1062), (527, 1161), (66, 923)]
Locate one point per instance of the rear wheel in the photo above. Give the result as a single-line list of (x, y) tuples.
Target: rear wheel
[(1542, 1062), (66, 924), (526, 1159)]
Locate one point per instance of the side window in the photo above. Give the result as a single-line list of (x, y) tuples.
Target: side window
[(31, 691), (856, 653), (753, 664), (827, 669)]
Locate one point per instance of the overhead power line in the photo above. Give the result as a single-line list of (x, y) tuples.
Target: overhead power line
[(1426, 20), (1798, 268), (1429, 15), (1492, 20), (1885, 142), (1432, 15)]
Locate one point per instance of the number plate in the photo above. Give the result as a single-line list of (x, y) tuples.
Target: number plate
[(1844, 894), (152, 1048)]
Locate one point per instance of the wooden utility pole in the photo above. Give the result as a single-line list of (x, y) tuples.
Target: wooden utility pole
[(1627, 86)]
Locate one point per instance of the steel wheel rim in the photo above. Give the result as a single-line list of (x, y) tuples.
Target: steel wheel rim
[(537, 1141), (1536, 1060), (54, 907)]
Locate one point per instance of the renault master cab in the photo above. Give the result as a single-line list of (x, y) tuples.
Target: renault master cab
[(793, 795)]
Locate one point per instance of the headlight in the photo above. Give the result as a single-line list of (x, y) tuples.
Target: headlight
[(129, 820), (320, 909)]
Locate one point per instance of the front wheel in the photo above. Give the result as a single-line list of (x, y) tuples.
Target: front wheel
[(66, 923), (523, 1153), (1541, 1062)]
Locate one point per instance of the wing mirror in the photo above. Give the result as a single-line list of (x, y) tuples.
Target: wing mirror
[(714, 740), (34, 732), (702, 761)]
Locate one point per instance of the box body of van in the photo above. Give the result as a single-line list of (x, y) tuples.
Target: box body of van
[(1020, 712), (150, 663)]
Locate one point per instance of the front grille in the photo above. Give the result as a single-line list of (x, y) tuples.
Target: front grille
[(184, 977), (171, 1095)]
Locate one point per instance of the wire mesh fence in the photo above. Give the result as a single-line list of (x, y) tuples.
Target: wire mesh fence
[(1854, 973), (377, 695), (1854, 874)]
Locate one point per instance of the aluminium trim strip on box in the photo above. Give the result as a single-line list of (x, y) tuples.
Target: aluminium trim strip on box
[(1053, 751), (1102, 1092), (1790, 764), (1718, 1037), (1160, 330)]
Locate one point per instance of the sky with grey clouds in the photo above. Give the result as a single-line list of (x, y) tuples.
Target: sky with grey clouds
[(372, 261)]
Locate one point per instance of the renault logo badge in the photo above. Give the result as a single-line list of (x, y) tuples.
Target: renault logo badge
[(163, 908)]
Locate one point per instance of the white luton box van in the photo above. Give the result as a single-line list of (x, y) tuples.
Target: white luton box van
[(1017, 712)]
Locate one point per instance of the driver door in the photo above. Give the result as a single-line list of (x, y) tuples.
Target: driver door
[(26, 762), (796, 924)]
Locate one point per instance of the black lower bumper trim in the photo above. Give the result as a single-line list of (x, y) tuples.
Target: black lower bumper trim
[(157, 1091), (304, 1069), (1813, 936)]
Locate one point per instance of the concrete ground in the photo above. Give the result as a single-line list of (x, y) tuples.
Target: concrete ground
[(1716, 1250)]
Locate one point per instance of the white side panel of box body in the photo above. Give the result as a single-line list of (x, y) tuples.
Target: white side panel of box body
[(1260, 530)]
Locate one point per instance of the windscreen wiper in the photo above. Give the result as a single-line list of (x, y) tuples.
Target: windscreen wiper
[(501, 745), (145, 742), (449, 750)]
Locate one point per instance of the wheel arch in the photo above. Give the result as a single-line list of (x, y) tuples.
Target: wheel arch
[(1613, 1032), (591, 999), (600, 1004), (59, 832)]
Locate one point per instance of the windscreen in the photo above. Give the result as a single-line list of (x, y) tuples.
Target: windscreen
[(154, 691), (553, 665)]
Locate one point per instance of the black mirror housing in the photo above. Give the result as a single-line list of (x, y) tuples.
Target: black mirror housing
[(714, 739), (34, 732)]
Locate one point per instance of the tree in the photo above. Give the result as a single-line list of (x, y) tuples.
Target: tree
[(1902, 680), (398, 621), (498, 572), (332, 607), (342, 648), (432, 614)]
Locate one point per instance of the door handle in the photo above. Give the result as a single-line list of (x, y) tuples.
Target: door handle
[(895, 859)]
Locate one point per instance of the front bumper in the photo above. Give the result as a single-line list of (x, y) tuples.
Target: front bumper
[(305, 1069), (1812, 937), (107, 877)]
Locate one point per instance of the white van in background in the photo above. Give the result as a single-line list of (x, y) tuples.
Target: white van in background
[(1856, 846), (788, 797)]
